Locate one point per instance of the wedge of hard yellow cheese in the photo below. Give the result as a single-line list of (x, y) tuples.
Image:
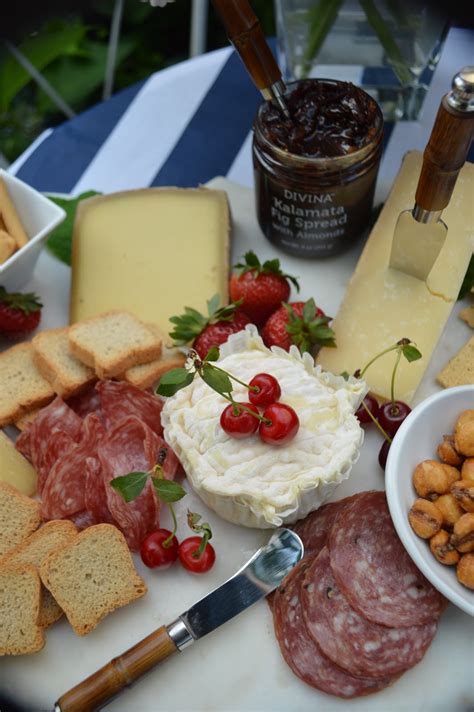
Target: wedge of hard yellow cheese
[(151, 252), (15, 470), (382, 305)]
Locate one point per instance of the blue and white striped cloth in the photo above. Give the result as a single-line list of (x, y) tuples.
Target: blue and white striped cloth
[(189, 123)]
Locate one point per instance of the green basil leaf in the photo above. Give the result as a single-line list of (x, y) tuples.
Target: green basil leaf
[(217, 380), (131, 485), (167, 490), (411, 353)]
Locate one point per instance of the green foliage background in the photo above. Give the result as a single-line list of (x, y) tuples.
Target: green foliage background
[(69, 46)]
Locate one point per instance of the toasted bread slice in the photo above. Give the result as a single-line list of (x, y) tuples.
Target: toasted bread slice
[(22, 386), (19, 517), (113, 342), (460, 370), (34, 550), (66, 374), (147, 374), (91, 576), (27, 419), (20, 600)]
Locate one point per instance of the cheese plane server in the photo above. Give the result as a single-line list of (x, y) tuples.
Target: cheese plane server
[(420, 233), (261, 575)]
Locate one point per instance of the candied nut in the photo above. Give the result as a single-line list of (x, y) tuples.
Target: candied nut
[(467, 470), (442, 548), (432, 478), (450, 509), (463, 534), (425, 518), (464, 433), (448, 453), (465, 570), (463, 491)]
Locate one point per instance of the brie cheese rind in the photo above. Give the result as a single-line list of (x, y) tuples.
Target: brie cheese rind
[(247, 481)]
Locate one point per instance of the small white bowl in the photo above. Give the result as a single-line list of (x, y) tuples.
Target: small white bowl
[(417, 440), (39, 216)]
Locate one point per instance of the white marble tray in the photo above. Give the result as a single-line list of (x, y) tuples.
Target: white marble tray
[(239, 668)]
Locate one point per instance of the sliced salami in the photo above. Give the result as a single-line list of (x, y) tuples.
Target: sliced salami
[(362, 648), (86, 402), (132, 446), (373, 569), (95, 496), (303, 655), (53, 432), (63, 492), (120, 399), (314, 529)]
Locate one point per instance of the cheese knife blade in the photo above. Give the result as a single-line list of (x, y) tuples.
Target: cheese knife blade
[(420, 233), (261, 575)]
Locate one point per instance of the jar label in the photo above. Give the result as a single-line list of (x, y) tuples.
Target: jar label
[(309, 223)]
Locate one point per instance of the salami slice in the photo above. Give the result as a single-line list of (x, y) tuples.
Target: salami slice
[(301, 652), (314, 529), (95, 497), (362, 648), (373, 569), (86, 402), (53, 432), (63, 492), (120, 399), (131, 447)]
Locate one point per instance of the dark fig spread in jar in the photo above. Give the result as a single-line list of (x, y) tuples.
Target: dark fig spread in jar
[(315, 175)]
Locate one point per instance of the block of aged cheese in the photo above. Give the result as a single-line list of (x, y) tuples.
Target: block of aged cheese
[(151, 252), (382, 305), (15, 470)]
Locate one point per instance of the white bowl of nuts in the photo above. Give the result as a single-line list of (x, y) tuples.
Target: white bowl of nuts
[(429, 480)]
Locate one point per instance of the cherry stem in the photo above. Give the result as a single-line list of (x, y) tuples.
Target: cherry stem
[(376, 422), (382, 353), (392, 383), (199, 552), (240, 406)]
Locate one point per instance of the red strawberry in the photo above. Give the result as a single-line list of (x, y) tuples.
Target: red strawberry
[(261, 288), (300, 323), (19, 313), (209, 331)]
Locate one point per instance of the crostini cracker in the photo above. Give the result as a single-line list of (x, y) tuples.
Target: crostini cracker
[(460, 370)]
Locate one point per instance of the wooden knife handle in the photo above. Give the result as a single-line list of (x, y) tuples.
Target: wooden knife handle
[(246, 34), (444, 156), (103, 685)]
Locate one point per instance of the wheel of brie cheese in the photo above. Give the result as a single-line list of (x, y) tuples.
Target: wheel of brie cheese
[(249, 482)]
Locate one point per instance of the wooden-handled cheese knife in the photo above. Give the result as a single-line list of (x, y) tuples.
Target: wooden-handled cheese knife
[(261, 575), (420, 233)]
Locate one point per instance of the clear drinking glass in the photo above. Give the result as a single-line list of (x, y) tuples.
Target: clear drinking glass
[(389, 47)]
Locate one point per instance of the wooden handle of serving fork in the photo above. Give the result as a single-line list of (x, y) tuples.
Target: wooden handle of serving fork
[(98, 689)]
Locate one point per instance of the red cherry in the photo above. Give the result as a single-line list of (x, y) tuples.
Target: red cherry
[(269, 390), (372, 405), (383, 454), (238, 423), (283, 426), (391, 416), (155, 551), (187, 554)]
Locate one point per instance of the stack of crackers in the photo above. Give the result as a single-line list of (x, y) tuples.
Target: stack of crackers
[(12, 232), (460, 370), (66, 361)]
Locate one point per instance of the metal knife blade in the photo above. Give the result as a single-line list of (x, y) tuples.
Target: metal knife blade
[(257, 578), (416, 245)]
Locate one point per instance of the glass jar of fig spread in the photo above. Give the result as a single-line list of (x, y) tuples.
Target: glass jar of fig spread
[(315, 174)]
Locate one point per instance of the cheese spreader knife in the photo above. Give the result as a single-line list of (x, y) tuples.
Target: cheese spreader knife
[(420, 233), (261, 575)]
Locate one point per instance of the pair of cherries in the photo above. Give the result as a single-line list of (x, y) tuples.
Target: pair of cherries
[(276, 425), (390, 416)]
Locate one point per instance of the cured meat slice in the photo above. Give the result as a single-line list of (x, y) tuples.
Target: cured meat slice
[(373, 569), (120, 399), (83, 519), (314, 529), (63, 492), (362, 648), (86, 402), (303, 655), (131, 447), (95, 497), (53, 432)]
